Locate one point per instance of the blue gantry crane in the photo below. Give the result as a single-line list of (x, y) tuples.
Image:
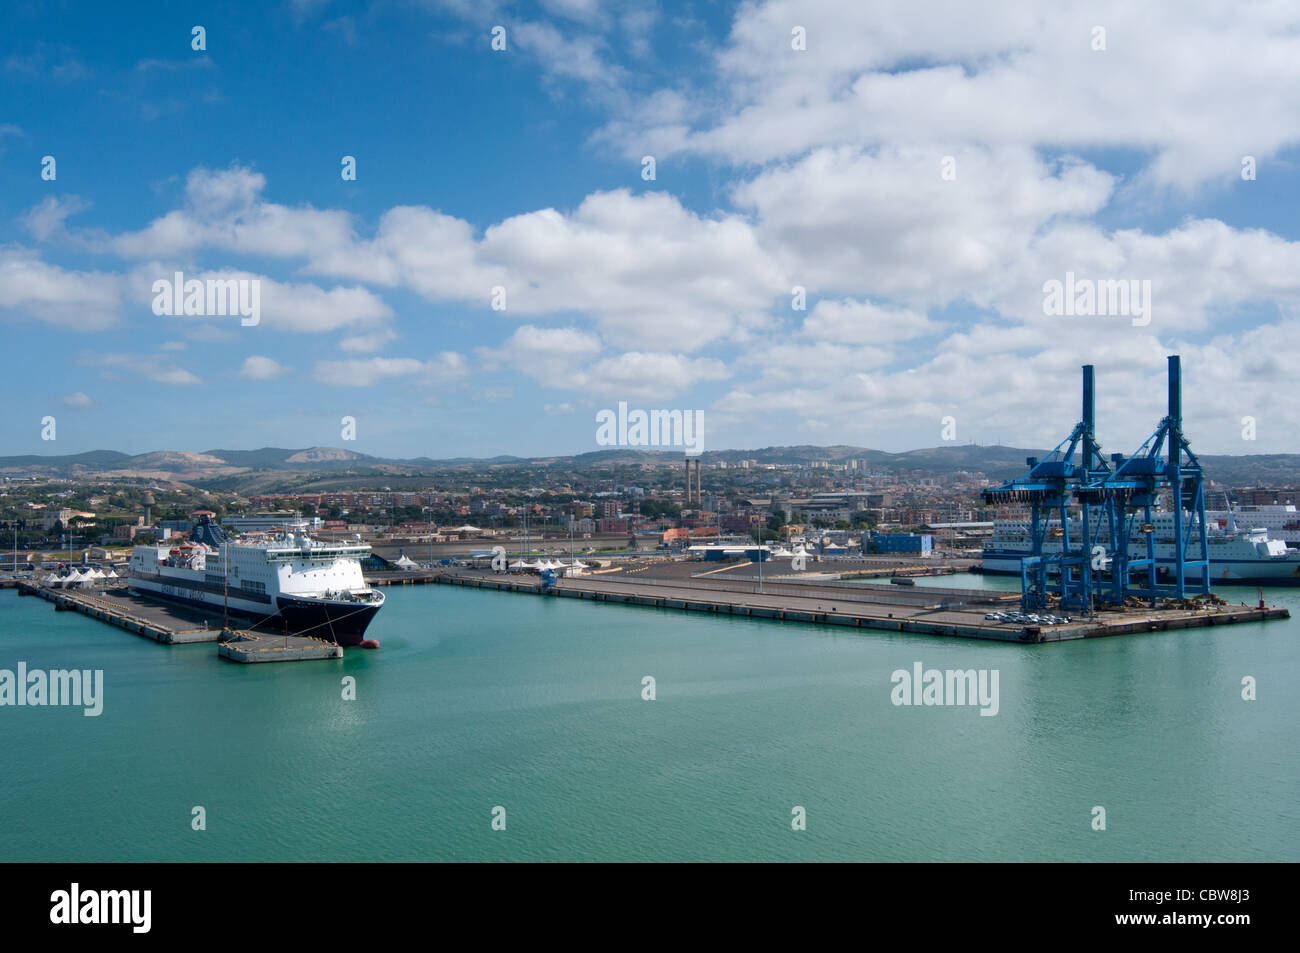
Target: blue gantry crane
[(1164, 464), (1048, 488), (1111, 496)]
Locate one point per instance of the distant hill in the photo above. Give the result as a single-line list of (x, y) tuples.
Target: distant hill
[(92, 458), (253, 459), (172, 460), (325, 455), (235, 467), (1269, 469), (1000, 463)]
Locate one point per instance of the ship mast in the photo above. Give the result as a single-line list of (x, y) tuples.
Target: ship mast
[(225, 594)]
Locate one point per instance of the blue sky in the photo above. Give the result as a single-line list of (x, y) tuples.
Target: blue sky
[(775, 167)]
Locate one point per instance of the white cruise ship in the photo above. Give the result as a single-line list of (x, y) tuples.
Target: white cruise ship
[(1282, 521), (312, 588), (1236, 557)]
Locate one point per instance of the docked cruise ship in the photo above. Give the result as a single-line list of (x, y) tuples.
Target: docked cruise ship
[(1236, 556), (1281, 520), (309, 587)]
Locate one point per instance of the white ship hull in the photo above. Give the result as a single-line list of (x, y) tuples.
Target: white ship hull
[(1248, 557), (1241, 558), (1007, 562)]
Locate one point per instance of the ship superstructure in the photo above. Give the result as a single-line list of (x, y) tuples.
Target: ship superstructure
[(1282, 521)]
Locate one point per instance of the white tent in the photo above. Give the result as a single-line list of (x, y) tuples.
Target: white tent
[(519, 564), (406, 562)]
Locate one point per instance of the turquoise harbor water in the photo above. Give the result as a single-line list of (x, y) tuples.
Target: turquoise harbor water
[(479, 699)]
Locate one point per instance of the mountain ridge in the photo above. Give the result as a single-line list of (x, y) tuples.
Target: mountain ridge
[(997, 462)]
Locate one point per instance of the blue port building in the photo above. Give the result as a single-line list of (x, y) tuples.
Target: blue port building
[(917, 544)]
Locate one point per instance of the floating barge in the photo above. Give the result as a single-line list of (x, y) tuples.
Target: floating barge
[(918, 611), (250, 647), (175, 624)]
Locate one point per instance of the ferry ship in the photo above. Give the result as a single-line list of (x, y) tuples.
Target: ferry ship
[(309, 587), (1236, 557)]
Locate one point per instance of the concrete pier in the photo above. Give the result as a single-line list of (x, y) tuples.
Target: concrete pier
[(400, 577), (920, 611), (170, 624), (176, 624)]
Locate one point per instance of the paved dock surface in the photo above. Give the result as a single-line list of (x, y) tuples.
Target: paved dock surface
[(868, 567), (812, 585), (165, 622), (923, 611)]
